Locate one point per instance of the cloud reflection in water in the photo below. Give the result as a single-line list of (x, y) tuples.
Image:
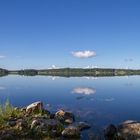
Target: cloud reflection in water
[(84, 90)]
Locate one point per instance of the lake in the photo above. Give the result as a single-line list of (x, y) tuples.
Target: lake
[(97, 100)]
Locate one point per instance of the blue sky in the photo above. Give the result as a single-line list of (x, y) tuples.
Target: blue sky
[(42, 33)]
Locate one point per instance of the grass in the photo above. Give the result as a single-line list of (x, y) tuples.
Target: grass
[(8, 111)]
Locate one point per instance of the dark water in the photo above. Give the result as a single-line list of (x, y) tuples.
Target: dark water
[(99, 101)]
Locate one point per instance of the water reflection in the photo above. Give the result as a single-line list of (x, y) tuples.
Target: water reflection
[(114, 102), (84, 90), (80, 97), (54, 77), (107, 99), (2, 88), (91, 78), (129, 84)]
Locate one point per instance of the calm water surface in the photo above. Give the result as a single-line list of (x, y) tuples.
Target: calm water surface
[(99, 101)]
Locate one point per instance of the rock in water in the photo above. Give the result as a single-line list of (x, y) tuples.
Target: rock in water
[(69, 121), (71, 132), (47, 126), (65, 116), (129, 130), (34, 107), (110, 132), (83, 126), (61, 112)]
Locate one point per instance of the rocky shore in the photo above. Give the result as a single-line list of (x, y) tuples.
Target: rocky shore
[(34, 122), (128, 130)]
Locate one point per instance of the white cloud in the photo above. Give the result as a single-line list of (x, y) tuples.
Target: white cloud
[(84, 54), (94, 66), (53, 67), (2, 56), (85, 91), (87, 67)]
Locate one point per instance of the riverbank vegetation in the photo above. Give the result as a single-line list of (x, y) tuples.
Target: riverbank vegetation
[(3, 72), (72, 72)]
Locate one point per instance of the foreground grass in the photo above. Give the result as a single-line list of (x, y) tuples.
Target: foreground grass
[(22, 130), (7, 111)]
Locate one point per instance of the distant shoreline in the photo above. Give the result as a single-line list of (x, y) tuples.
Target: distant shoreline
[(72, 72)]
